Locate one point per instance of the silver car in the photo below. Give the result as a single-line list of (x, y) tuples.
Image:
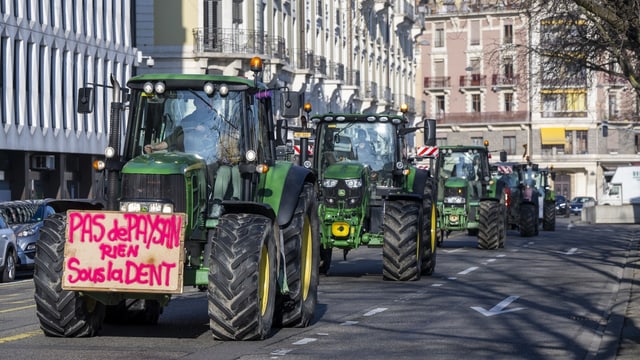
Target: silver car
[(8, 251), (28, 232)]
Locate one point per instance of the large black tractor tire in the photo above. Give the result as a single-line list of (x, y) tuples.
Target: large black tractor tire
[(301, 247), (134, 311), (242, 277), (430, 240), (504, 223), (61, 313), (528, 219), (549, 216), (9, 271), (489, 228), (401, 253)]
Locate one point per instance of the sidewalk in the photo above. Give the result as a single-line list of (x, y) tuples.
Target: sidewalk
[(629, 340)]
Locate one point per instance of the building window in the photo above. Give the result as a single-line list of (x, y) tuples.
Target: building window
[(475, 33), (476, 141), (237, 11), (438, 41), (475, 103), (637, 143), (440, 105), (508, 34), (508, 69), (582, 142), (441, 141), (508, 102), (568, 103), (613, 106), (509, 144)]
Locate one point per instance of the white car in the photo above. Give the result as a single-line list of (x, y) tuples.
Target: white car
[(8, 251)]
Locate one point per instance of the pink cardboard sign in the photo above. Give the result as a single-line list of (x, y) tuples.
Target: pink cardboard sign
[(124, 252)]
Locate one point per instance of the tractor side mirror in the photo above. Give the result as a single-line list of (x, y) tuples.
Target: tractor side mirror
[(282, 127), (503, 156), (430, 132)]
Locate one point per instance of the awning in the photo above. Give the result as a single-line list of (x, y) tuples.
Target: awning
[(552, 136)]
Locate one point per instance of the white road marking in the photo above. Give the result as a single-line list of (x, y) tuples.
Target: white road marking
[(498, 309), (349, 323), (304, 341), (374, 311), (467, 271)]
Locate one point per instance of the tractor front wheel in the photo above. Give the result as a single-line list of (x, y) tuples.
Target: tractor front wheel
[(61, 313), (242, 277), (401, 252)]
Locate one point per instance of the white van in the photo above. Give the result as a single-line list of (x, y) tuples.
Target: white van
[(624, 187)]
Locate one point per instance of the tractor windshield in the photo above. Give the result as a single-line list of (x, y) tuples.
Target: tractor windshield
[(189, 121), (369, 143), (465, 164)]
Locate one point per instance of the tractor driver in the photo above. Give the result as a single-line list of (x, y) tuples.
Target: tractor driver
[(364, 149)]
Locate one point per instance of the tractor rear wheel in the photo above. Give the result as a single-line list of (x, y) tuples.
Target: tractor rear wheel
[(401, 252), (242, 277), (549, 216), (528, 219), (429, 241), (301, 247), (61, 313), (489, 228)]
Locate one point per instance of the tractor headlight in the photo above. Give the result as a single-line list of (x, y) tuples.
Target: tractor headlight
[(329, 183), (147, 207), (353, 183)]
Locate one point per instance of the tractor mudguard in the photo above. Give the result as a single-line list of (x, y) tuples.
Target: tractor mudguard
[(281, 186), (293, 184), (241, 207), (419, 180)]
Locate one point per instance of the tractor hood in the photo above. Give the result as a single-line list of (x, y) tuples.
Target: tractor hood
[(344, 170), (163, 163), (456, 182)]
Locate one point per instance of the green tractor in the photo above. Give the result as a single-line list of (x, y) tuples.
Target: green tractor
[(546, 196), (521, 195), (468, 197), (370, 195), (191, 194)]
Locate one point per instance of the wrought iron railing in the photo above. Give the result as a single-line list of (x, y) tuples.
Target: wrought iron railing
[(238, 41)]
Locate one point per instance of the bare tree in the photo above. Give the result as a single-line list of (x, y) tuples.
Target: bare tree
[(576, 36)]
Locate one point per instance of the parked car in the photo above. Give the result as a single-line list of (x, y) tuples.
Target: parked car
[(562, 205), (27, 234), (578, 202), (8, 250)]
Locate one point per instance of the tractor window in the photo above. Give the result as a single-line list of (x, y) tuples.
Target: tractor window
[(372, 144)]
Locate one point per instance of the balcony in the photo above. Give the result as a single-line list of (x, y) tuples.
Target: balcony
[(336, 71), (300, 59), (504, 81), (484, 118), (238, 41), (437, 83), (473, 81)]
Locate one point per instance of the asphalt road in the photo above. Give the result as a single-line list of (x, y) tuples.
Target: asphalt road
[(558, 295)]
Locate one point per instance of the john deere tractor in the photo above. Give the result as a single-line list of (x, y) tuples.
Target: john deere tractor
[(468, 198), (370, 195), (185, 201)]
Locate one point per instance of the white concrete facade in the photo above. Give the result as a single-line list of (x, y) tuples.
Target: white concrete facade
[(48, 50)]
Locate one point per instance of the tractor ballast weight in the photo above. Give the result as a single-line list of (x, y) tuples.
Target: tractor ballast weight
[(370, 195), (468, 198), (187, 200)]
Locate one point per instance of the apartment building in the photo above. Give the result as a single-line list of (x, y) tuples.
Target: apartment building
[(480, 85), (48, 50), (339, 56)]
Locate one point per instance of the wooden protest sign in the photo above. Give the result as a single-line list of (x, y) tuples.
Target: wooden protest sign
[(124, 252)]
